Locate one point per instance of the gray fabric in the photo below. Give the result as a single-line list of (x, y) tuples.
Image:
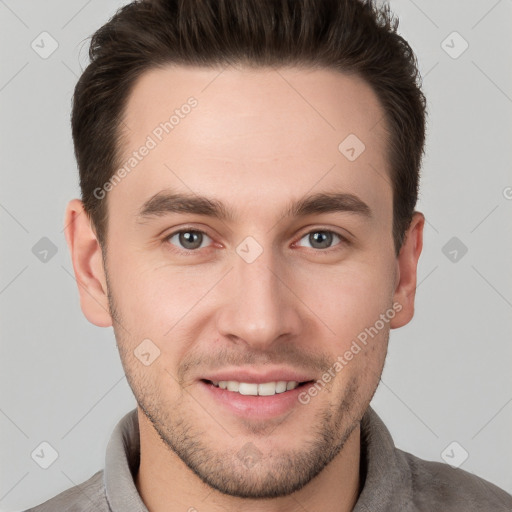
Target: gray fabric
[(394, 480)]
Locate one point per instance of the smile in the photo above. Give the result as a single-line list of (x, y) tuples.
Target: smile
[(251, 388)]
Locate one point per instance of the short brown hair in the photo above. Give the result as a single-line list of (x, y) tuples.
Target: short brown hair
[(353, 36)]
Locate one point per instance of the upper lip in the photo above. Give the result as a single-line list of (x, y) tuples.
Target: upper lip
[(258, 376)]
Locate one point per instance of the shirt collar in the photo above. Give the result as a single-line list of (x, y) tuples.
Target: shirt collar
[(383, 473), (122, 461), (388, 483)]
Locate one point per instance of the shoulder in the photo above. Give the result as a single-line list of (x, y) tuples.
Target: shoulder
[(438, 486), (88, 496)]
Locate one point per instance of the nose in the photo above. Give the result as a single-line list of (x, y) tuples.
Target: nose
[(259, 305)]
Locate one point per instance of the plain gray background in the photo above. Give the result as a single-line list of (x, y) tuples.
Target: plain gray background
[(447, 377)]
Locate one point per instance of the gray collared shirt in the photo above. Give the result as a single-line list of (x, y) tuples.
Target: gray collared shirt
[(394, 480)]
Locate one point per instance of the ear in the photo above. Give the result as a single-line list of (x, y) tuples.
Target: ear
[(87, 264), (407, 263)]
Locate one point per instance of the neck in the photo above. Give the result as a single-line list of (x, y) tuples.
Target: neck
[(166, 484)]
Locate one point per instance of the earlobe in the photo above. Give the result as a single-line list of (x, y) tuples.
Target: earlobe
[(88, 264), (405, 289)]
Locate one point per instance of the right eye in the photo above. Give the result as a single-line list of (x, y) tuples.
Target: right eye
[(187, 239)]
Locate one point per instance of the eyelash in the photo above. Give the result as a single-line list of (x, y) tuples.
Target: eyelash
[(187, 252)]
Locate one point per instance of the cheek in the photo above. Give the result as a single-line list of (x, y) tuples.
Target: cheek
[(351, 300), (163, 304), (150, 293), (153, 298)]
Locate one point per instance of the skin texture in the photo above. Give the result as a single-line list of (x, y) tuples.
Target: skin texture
[(257, 140)]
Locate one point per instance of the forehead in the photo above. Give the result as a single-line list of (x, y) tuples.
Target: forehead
[(259, 132)]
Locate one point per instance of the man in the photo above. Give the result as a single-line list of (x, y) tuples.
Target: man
[(249, 173)]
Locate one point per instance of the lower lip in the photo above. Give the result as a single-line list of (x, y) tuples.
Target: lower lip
[(260, 407)]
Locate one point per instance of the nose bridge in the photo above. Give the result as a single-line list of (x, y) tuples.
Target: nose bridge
[(260, 307)]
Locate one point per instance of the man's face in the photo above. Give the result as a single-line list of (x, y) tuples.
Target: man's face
[(259, 296)]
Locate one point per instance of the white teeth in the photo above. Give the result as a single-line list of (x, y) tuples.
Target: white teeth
[(291, 385), (248, 389), (267, 389), (231, 385), (281, 386), (253, 389)]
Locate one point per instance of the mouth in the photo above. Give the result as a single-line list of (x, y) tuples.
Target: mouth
[(256, 393), (257, 389)]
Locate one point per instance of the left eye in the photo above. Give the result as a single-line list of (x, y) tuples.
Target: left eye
[(321, 239), (188, 239)]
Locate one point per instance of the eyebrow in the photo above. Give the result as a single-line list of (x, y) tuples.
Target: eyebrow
[(168, 202)]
